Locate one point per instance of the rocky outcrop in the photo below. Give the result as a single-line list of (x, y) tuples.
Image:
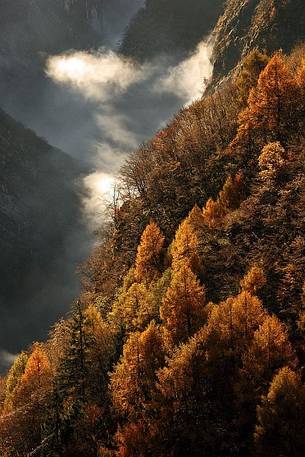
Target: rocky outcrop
[(249, 24)]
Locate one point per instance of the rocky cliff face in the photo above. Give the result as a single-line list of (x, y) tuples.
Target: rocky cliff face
[(265, 24)]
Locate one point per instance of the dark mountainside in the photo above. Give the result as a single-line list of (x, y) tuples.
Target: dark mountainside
[(265, 24), (41, 223), (30, 31), (188, 337), (42, 231), (170, 27)]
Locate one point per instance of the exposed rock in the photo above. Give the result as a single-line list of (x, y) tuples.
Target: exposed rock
[(247, 24)]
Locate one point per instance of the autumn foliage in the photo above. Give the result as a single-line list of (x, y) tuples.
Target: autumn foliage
[(188, 336)]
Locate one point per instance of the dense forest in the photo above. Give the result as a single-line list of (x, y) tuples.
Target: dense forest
[(188, 336)]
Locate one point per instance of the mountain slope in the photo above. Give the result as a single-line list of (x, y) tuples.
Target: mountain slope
[(188, 337), (263, 24), (40, 217), (30, 31), (169, 27)]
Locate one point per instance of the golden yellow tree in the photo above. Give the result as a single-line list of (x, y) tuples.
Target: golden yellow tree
[(229, 199), (252, 66), (135, 308), (183, 306), (184, 248), (196, 219), (254, 280), (13, 379), (133, 380), (22, 428), (269, 351), (271, 105), (281, 420), (37, 372), (147, 265), (232, 324), (213, 213), (101, 351)]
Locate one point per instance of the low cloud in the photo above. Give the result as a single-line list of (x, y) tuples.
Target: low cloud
[(99, 76), (128, 103), (6, 360), (100, 187), (189, 78)]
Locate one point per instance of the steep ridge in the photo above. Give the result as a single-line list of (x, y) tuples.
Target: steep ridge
[(169, 27), (188, 337), (40, 214), (249, 24)]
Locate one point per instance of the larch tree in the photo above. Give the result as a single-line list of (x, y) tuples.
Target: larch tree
[(254, 280), (184, 248), (213, 213), (101, 351), (13, 379), (229, 199), (252, 66), (269, 351), (183, 306), (37, 373), (280, 417), (270, 113), (192, 416), (22, 428), (135, 308), (133, 380), (248, 313), (148, 259), (232, 193), (231, 326)]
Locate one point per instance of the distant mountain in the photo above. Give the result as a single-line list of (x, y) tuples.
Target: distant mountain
[(30, 31), (170, 26), (265, 24), (40, 229)]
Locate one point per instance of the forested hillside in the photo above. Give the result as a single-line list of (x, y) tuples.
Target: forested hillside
[(170, 27), (188, 336)]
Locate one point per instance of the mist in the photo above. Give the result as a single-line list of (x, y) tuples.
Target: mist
[(129, 102), (97, 106)]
